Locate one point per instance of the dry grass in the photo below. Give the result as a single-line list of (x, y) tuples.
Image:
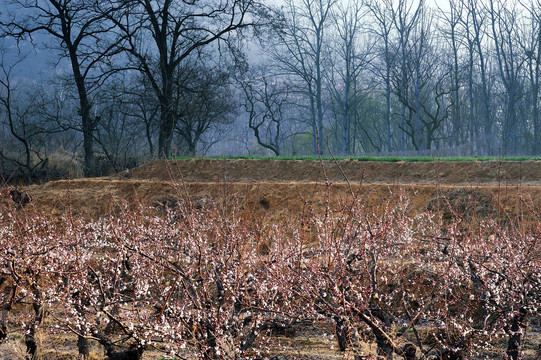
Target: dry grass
[(280, 189), (276, 201), (13, 348)]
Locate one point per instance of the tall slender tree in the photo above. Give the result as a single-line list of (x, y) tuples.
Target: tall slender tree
[(531, 47), (383, 27), (405, 15), (347, 64), (504, 26), (300, 52), (450, 27), (476, 22)]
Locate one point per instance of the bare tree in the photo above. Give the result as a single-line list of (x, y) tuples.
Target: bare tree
[(474, 22), (123, 125), (346, 66), (419, 82), (23, 142), (265, 99), (142, 105), (79, 29), (450, 28), (300, 53), (162, 35), (405, 17), (504, 23), (203, 100), (531, 47), (382, 17)]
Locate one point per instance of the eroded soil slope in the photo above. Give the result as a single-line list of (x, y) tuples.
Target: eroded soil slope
[(280, 188), (443, 172)]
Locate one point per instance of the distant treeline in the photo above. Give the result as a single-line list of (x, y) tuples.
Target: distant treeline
[(136, 80)]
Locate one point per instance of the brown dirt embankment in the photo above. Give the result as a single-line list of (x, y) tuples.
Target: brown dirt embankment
[(282, 188), (437, 172)]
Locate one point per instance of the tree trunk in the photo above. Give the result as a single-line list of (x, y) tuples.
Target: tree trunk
[(342, 332), (315, 131), (167, 125), (514, 330), (134, 351), (487, 130), (346, 147), (5, 311), (89, 169), (87, 122), (457, 114), (535, 74), (473, 133), (84, 347), (30, 337), (388, 107)]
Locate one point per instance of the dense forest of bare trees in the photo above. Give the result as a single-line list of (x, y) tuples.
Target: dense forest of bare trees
[(129, 80)]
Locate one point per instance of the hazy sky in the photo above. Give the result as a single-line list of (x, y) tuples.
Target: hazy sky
[(33, 59)]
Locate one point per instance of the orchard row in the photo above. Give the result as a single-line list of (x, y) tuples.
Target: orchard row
[(211, 283)]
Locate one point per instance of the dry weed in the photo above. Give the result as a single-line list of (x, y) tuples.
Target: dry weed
[(13, 348)]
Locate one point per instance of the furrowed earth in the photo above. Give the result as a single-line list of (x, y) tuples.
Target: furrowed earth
[(281, 190)]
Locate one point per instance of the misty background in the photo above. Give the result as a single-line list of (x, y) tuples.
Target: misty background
[(91, 87)]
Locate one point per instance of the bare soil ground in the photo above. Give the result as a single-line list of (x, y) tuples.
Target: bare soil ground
[(281, 188), (443, 172)]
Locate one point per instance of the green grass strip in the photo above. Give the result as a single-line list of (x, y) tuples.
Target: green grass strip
[(371, 158)]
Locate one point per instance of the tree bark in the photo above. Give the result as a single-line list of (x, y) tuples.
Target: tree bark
[(514, 330)]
